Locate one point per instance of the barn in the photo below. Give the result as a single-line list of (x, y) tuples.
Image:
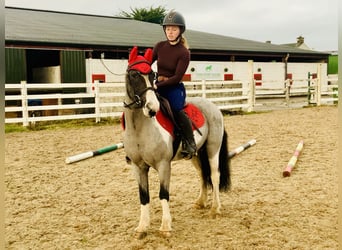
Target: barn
[(48, 46)]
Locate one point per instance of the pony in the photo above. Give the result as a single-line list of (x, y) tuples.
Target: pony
[(149, 144)]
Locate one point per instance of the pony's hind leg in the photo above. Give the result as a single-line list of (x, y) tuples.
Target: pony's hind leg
[(220, 173), (201, 201), (210, 176), (142, 178), (215, 179)]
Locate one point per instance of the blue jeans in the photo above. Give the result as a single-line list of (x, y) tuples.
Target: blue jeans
[(175, 95)]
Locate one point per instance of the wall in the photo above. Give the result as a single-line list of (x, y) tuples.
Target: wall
[(333, 64), (114, 70), (273, 73), (15, 65)]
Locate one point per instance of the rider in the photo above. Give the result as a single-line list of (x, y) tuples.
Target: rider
[(173, 57)]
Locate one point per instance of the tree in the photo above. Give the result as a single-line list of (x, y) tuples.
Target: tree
[(151, 15)]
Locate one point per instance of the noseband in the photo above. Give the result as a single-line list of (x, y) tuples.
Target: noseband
[(137, 99)]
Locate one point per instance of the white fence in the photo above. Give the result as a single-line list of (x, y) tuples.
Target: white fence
[(105, 100)]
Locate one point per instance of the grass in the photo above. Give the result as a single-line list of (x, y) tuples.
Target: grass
[(50, 125)]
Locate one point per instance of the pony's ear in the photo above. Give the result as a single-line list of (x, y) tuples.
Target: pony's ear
[(133, 55), (148, 55)]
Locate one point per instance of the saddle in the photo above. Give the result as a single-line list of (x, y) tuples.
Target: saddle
[(167, 121)]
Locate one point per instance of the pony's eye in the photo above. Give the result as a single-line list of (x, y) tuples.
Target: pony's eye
[(151, 77), (134, 74)]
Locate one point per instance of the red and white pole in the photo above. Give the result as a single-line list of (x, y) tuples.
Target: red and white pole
[(293, 160)]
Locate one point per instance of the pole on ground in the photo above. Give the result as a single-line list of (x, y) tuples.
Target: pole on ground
[(293, 160), (243, 147), (89, 154)]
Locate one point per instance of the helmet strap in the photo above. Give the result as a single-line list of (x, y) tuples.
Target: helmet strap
[(177, 40)]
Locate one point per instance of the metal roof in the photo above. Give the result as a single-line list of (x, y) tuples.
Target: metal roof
[(81, 30)]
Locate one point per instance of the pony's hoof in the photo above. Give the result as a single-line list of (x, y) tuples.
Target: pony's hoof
[(165, 234), (214, 213), (140, 235), (128, 160), (198, 206)]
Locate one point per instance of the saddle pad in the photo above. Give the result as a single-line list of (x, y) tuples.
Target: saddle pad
[(193, 113), (191, 110)]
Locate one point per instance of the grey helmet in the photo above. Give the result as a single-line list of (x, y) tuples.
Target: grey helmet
[(174, 18)]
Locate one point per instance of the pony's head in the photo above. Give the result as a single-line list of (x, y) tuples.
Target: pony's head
[(140, 87)]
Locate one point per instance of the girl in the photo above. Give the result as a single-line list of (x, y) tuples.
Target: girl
[(173, 57)]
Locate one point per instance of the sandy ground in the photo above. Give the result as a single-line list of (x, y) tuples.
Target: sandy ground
[(93, 204)]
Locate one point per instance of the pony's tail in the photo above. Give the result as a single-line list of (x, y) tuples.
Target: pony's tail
[(224, 165)]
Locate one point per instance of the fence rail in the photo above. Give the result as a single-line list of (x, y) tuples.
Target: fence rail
[(29, 103)]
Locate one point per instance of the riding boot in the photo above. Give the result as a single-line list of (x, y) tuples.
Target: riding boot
[(188, 142)]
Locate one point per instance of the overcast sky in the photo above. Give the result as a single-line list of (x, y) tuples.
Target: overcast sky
[(278, 21)]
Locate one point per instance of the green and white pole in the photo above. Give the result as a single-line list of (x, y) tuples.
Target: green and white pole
[(89, 154)]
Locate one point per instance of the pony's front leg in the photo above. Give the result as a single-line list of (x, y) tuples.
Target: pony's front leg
[(142, 178), (164, 171)]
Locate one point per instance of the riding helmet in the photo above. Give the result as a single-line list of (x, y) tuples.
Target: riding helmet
[(174, 18)]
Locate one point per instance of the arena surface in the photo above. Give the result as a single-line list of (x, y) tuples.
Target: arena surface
[(94, 204)]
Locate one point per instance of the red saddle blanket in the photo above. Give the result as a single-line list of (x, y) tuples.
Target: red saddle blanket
[(193, 112)]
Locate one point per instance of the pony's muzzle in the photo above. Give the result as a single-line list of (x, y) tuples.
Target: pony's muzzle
[(152, 113), (150, 110), (152, 105)]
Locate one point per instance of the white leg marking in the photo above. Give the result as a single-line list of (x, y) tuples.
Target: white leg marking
[(166, 218), (215, 179), (144, 222)]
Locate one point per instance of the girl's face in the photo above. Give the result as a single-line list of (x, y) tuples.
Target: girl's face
[(172, 32)]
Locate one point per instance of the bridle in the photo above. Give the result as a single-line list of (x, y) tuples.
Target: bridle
[(138, 99)]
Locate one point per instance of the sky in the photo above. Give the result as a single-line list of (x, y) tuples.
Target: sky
[(278, 21)]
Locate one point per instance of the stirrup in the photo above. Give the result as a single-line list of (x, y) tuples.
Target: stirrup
[(188, 151), (187, 155)]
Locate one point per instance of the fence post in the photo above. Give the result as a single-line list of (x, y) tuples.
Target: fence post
[(251, 86), (335, 94), (204, 95), (309, 88), (287, 91), (24, 103), (312, 89), (319, 84), (97, 101)]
